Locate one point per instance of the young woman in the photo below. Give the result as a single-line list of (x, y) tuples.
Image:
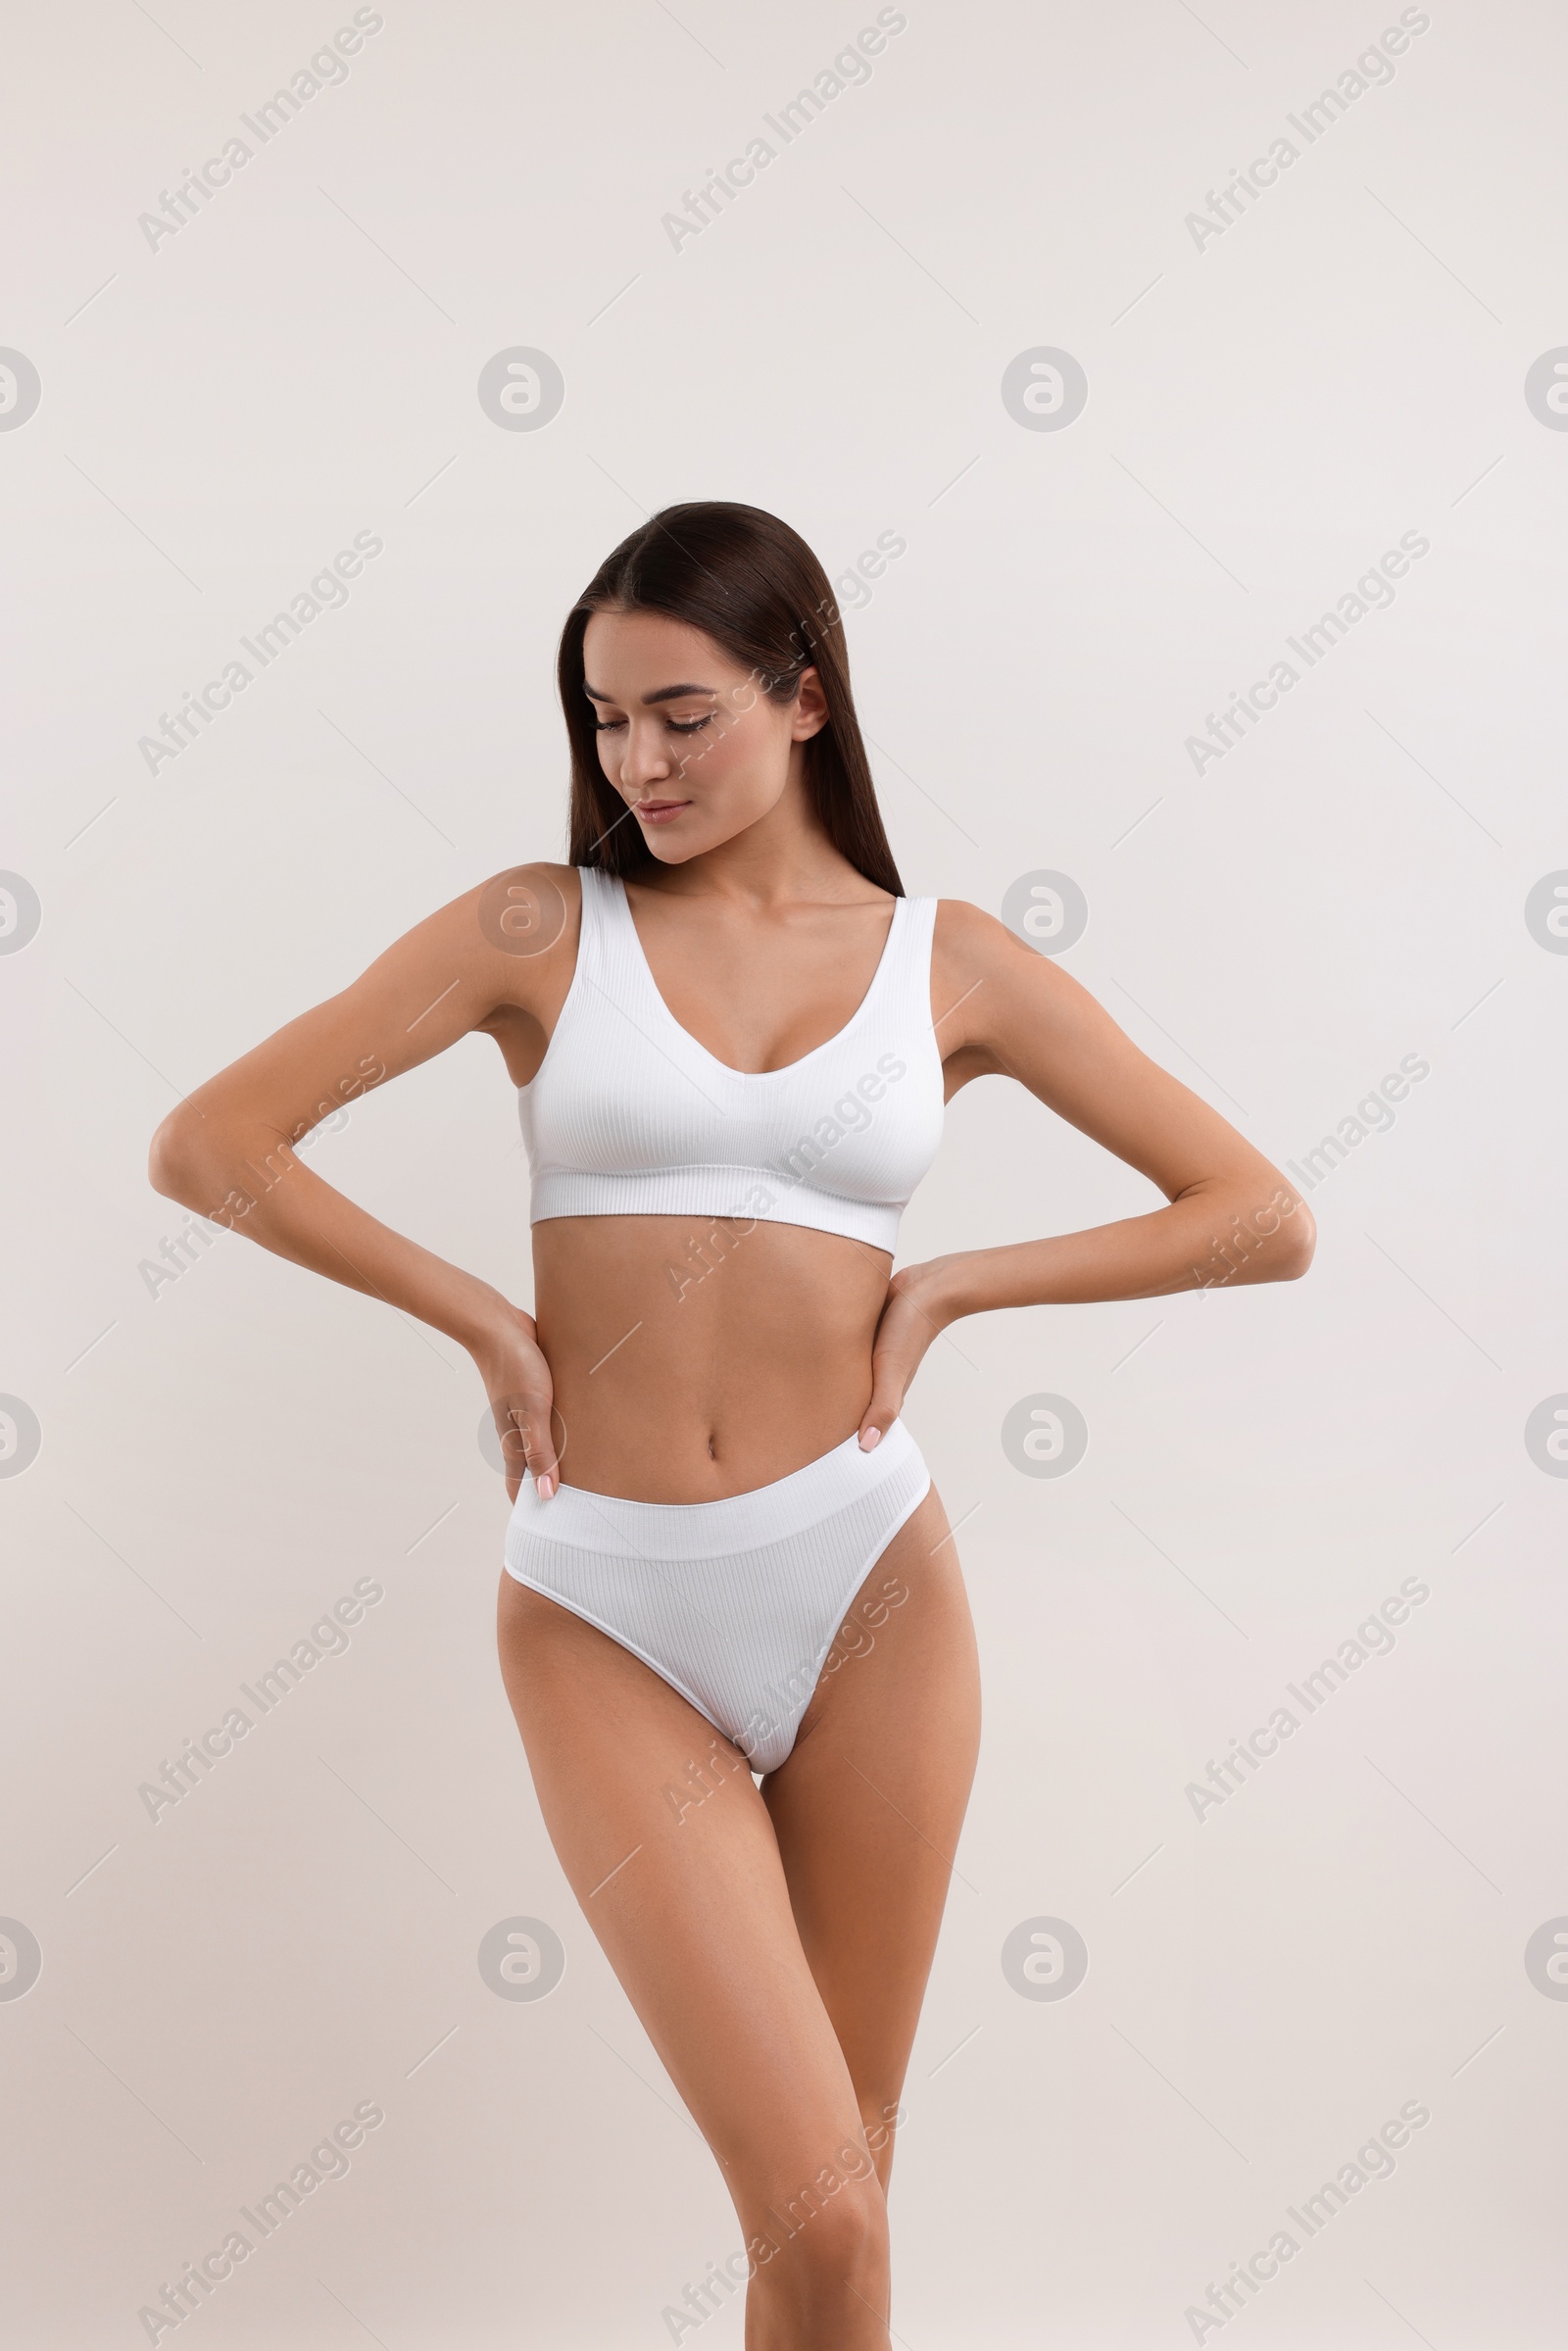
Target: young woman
[(732, 1624)]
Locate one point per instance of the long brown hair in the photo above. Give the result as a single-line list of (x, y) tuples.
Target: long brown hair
[(754, 586)]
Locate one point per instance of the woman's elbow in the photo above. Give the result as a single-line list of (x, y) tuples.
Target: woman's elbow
[(1295, 1240), (171, 1158)]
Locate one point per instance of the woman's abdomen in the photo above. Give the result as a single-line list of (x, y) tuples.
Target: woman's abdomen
[(695, 1358)]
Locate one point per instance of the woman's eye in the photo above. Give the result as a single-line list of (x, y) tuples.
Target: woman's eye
[(612, 726)]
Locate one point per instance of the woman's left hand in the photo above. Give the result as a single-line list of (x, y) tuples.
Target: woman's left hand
[(920, 1304)]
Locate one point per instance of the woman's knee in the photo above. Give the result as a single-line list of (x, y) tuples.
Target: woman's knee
[(829, 2246), (832, 2213)]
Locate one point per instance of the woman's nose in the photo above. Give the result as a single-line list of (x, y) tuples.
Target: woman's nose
[(646, 758)]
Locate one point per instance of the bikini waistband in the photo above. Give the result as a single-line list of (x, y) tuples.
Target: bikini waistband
[(737, 1522)]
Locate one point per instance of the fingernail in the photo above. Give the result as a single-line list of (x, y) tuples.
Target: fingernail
[(871, 1438), (547, 1487)]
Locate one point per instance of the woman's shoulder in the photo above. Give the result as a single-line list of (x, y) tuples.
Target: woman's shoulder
[(964, 928), (539, 872), (525, 911), (528, 892), (968, 946)]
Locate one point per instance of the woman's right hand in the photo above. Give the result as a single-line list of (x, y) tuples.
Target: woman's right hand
[(517, 1380)]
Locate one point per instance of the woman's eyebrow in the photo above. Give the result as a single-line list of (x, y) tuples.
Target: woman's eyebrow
[(664, 694)]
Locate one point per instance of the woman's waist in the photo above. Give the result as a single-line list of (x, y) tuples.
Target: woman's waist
[(692, 1361), (694, 1524)]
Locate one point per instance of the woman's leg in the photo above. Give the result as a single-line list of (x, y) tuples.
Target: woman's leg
[(687, 1895), (868, 1805)]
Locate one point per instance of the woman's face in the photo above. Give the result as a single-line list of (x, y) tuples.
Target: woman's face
[(689, 738)]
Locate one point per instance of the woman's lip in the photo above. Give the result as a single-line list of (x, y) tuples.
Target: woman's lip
[(660, 812)]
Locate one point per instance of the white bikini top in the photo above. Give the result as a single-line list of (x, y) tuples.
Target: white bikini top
[(628, 1115)]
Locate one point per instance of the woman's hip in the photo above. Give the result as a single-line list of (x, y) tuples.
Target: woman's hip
[(734, 1601)]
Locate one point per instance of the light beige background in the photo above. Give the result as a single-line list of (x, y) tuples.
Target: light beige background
[(220, 1461)]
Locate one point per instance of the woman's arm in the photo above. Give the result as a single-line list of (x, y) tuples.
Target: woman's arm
[(1231, 1216), (228, 1151)]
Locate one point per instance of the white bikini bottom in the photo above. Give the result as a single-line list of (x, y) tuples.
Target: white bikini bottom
[(736, 1602)]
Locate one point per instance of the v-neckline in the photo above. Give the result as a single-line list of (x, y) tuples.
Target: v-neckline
[(785, 1069)]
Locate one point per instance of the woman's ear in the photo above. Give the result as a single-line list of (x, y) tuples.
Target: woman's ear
[(809, 712)]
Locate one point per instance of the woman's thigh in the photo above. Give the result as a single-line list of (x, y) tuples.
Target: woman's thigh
[(868, 1805), (670, 1853)]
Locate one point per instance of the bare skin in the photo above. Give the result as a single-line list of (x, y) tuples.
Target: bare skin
[(775, 1940)]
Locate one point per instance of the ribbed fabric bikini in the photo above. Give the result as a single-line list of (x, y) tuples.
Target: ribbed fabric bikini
[(735, 1602)]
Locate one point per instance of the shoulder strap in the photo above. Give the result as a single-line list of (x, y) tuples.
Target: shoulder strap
[(598, 888), (920, 932), (615, 957), (903, 977), (920, 929)]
